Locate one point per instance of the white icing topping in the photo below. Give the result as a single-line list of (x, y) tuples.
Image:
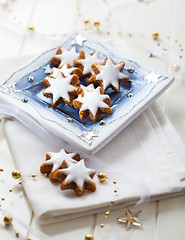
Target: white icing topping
[(67, 56), (110, 74), (60, 87), (65, 70), (88, 61), (78, 173), (57, 158), (89, 88), (92, 100)]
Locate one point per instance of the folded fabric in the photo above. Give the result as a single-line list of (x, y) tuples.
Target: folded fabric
[(147, 151)]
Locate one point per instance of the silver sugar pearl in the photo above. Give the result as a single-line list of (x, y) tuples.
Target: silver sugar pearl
[(102, 122), (30, 79), (69, 119), (129, 95), (24, 100), (131, 70)]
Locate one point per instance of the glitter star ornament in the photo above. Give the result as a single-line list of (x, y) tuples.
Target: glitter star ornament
[(158, 51), (152, 77), (130, 219), (89, 135), (79, 40)]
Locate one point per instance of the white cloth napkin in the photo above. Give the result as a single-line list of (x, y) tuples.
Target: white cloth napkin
[(145, 158), (148, 147)]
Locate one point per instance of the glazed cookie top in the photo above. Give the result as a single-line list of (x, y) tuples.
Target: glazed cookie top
[(88, 60), (92, 99), (110, 73), (64, 69), (67, 56), (57, 158), (78, 173), (60, 87)]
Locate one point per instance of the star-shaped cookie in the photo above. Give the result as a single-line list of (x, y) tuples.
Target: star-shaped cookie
[(92, 102), (61, 88), (64, 56), (108, 75), (77, 177), (86, 61), (55, 161), (66, 70)]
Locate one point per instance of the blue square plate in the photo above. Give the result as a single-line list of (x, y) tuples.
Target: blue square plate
[(145, 86)]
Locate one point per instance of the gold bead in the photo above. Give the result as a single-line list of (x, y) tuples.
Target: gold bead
[(180, 45), (107, 213), (33, 175), (102, 176), (8, 220), (102, 225), (16, 174), (112, 201), (31, 28), (10, 190), (17, 234), (130, 34), (168, 37), (20, 182), (86, 21), (97, 24), (115, 190), (114, 182), (180, 56), (89, 237), (176, 41), (182, 50), (1, 170), (108, 33), (45, 174), (2, 198), (155, 35)]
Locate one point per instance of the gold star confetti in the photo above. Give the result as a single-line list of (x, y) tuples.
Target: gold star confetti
[(130, 219)]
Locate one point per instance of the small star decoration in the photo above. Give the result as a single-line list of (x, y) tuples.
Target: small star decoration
[(152, 77), (89, 135), (130, 219), (79, 40)]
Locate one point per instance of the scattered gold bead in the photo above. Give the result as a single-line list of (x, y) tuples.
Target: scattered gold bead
[(8, 220), (10, 190), (176, 41), (2, 198), (107, 213), (112, 201), (1, 170), (182, 49), (108, 33), (16, 174), (114, 182), (180, 56), (20, 182), (115, 190), (155, 35), (28, 238), (180, 45), (33, 175), (45, 174), (102, 176), (31, 28), (89, 237), (97, 24), (17, 234), (102, 225), (119, 33), (168, 37), (130, 34), (86, 21)]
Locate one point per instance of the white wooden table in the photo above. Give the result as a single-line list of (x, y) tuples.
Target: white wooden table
[(163, 219)]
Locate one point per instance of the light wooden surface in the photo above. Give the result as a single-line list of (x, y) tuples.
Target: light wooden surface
[(162, 219)]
